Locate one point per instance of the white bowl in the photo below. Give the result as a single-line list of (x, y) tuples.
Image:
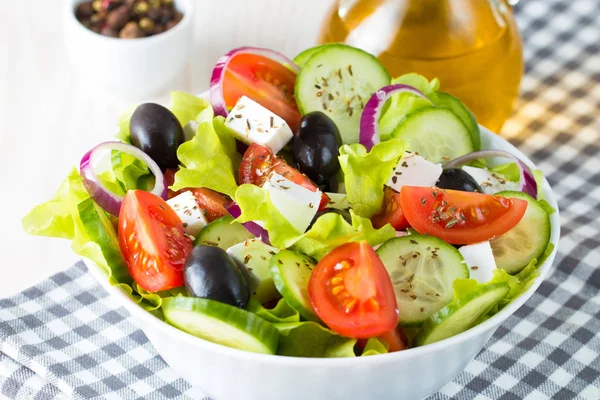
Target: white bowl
[(128, 68), (229, 374)]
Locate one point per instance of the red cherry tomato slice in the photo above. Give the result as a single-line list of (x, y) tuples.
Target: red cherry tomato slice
[(352, 293), (152, 241), (460, 217)]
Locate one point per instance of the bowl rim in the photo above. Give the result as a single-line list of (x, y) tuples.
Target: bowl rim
[(186, 5), (480, 329)]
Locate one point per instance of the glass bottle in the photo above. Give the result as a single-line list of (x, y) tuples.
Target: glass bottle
[(472, 46)]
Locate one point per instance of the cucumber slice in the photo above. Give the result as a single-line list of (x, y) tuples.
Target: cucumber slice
[(436, 134), (291, 272), (254, 256), (526, 241), (223, 232), (339, 80), (221, 323), (422, 269), (442, 99), (462, 314), (303, 56), (101, 230)]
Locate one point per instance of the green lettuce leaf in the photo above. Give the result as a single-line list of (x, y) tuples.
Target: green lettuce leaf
[(331, 230), (309, 339), (375, 346), (509, 171), (187, 107), (59, 217), (281, 314), (123, 124), (54, 218), (153, 301), (402, 104), (256, 205), (206, 162), (366, 173)]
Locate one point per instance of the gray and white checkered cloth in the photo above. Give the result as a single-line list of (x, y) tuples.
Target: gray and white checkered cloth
[(66, 338)]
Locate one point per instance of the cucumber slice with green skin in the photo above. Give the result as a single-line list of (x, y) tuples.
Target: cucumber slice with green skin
[(221, 323), (462, 314), (422, 270), (436, 134), (339, 80), (291, 272), (442, 99), (526, 241), (303, 56), (223, 232), (101, 230), (254, 256)]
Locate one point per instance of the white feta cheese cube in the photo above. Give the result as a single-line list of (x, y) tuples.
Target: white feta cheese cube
[(192, 216), (296, 203), (414, 170), (253, 123), (480, 260), (255, 257), (489, 181)]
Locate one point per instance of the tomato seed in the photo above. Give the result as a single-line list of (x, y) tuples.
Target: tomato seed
[(350, 305), (336, 280), (337, 290)]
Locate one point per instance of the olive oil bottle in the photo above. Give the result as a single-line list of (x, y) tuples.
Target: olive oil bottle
[(472, 46)]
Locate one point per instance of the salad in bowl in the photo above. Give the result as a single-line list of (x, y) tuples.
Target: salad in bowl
[(310, 208)]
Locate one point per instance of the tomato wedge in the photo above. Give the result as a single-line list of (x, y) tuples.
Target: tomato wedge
[(259, 161), (152, 241), (263, 80), (352, 292), (394, 339), (391, 212), (460, 217)]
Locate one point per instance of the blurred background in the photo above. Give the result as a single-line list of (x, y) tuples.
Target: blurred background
[(53, 108)]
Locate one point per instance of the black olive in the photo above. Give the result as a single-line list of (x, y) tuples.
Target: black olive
[(345, 214), (211, 273), (157, 132), (316, 147), (457, 179)]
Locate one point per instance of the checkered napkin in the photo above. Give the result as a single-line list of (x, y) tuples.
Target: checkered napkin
[(66, 338)]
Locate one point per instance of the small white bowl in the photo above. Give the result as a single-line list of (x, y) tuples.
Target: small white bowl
[(128, 68), (230, 374)]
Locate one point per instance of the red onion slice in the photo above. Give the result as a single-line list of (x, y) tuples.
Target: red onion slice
[(250, 226), (369, 120), (527, 182), (106, 199), (218, 73)]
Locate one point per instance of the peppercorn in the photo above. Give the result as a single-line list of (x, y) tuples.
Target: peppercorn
[(158, 28), (131, 31), (107, 31), (154, 3), (141, 8), (97, 5), (154, 14), (130, 3), (167, 2), (97, 18), (146, 24), (117, 19), (166, 14), (84, 10)]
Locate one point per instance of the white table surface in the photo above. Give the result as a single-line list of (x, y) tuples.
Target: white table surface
[(48, 119)]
